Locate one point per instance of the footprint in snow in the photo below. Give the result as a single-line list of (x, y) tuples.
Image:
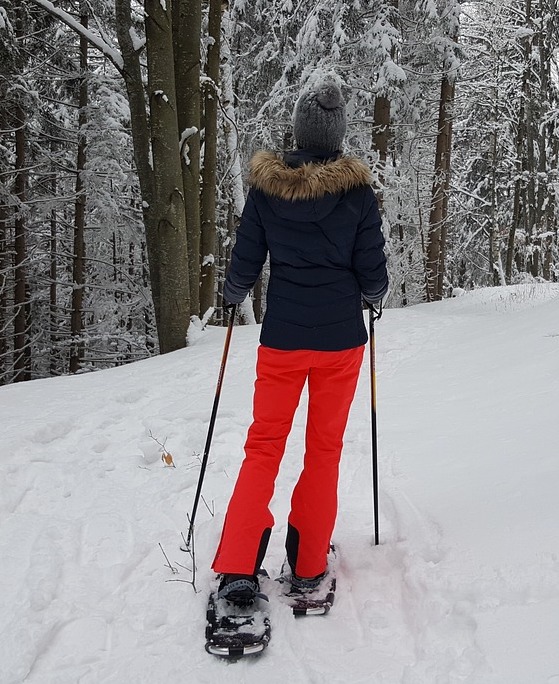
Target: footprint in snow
[(106, 540), (50, 432)]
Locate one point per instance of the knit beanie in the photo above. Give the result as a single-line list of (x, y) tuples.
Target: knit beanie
[(319, 120)]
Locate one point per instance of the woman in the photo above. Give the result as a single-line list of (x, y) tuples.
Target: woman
[(314, 213)]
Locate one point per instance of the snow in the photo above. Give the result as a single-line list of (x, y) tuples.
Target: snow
[(162, 95), (463, 588), (138, 42), (184, 147), (4, 23), (523, 32)]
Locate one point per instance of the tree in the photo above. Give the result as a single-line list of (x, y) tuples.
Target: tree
[(187, 28), (17, 102), (505, 154), (436, 244), (166, 242), (78, 260), (209, 172)]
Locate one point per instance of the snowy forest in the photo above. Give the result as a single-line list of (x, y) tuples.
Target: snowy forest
[(126, 129)]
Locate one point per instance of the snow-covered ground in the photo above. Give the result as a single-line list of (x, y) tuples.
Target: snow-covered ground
[(463, 588)]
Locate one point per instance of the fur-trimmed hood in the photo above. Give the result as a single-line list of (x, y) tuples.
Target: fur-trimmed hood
[(310, 181)]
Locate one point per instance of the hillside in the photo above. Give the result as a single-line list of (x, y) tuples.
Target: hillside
[(463, 588)]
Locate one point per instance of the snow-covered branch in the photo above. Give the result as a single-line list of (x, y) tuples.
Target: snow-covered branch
[(112, 54)]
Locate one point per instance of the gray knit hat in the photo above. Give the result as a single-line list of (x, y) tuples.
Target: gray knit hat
[(320, 120)]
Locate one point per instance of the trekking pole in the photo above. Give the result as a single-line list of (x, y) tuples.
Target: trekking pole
[(374, 315), (211, 426)]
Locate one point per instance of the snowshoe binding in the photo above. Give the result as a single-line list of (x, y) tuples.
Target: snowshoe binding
[(238, 622), (309, 596)]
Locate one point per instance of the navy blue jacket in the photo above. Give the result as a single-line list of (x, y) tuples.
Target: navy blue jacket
[(316, 216)]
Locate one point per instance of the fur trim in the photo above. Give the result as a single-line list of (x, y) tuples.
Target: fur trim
[(269, 173)]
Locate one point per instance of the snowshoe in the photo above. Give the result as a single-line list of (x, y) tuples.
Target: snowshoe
[(238, 622), (309, 596)]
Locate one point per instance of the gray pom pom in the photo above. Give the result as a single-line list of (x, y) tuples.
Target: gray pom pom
[(329, 96)]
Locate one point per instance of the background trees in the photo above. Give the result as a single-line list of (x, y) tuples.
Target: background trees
[(126, 127), (505, 175)]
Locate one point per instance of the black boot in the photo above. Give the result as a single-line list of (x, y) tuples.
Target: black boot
[(241, 590), (305, 585)]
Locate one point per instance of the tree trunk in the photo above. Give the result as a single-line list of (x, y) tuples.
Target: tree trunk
[(131, 275), (5, 265), (494, 244), (403, 288), (387, 15), (4, 268), (132, 75), (53, 271), (78, 262), (544, 135), (439, 202), (437, 217), (531, 211), (187, 27), (234, 179), (230, 128), (21, 368), (148, 323), (167, 247), (209, 172), (381, 137), (516, 209), (523, 136)]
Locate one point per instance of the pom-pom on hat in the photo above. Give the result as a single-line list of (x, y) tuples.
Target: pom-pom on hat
[(319, 120)]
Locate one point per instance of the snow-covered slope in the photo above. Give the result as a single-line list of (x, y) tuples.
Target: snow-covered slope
[(463, 588)]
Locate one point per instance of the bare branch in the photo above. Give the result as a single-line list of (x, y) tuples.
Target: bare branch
[(173, 569)]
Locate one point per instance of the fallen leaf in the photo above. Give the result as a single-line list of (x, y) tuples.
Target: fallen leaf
[(168, 459)]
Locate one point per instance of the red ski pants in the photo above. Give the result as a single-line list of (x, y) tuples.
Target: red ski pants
[(281, 375)]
